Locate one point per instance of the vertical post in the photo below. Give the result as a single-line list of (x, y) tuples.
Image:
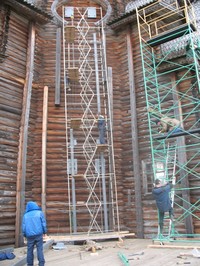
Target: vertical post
[(102, 154), (97, 74), (135, 149), (104, 192), (74, 225), (44, 148), (58, 64), (182, 159), (23, 137), (110, 92)]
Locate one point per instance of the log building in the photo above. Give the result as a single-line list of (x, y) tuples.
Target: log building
[(61, 64)]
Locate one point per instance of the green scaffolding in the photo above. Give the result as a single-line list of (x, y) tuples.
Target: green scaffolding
[(170, 52)]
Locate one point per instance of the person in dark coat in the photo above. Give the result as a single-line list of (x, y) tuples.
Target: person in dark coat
[(33, 228), (102, 129), (163, 201)]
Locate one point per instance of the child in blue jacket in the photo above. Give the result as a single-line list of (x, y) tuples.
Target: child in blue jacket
[(33, 228)]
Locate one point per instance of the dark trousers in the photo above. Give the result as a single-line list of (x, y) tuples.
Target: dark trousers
[(175, 130), (31, 242), (161, 218), (102, 135)]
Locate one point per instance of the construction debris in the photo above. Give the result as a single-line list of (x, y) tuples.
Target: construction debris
[(120, 243), (194, 253), (92, 246), (126, 260), (137, 254), (123, 259), (183, 262), (59, 246)]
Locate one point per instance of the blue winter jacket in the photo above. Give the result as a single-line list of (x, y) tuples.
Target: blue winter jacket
[(34, 222), (161, 195)]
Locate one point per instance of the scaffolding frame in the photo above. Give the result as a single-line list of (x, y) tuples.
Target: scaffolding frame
[(92, 190), (172, 89)]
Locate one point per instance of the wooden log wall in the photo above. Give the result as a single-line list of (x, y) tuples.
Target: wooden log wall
[(13, 72), (117, 41), (122, 128), (113, 54), (128, 184), (57, 190), (44, 75), (56, 193)]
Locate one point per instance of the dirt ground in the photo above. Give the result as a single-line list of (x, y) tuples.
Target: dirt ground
[(130, 252)]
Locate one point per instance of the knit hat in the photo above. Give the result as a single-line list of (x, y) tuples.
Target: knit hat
[(157, 181)]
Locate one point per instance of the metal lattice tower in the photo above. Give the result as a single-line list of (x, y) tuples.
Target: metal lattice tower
[(170, 59), (91, 168)]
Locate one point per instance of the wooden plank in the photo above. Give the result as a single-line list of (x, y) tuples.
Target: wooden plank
[(70, 34), (78, 176), (100, 236), (102, 147), (110, 92), (58, 66), (21, 167), (73, 74), (135, 146), (171, 34), (178, 134), (75, 123), (44, 147), (173, 246)]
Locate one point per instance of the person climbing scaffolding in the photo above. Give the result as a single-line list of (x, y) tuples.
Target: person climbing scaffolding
[(102, 128), (166, 124), (161, 193)]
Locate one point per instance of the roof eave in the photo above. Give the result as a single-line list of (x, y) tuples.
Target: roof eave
[(123, 20), (30, 11)]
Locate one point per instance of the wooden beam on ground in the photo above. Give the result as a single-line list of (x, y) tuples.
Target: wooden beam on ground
[(44, 147), (100, 236), (173, 246), (23, 137)]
